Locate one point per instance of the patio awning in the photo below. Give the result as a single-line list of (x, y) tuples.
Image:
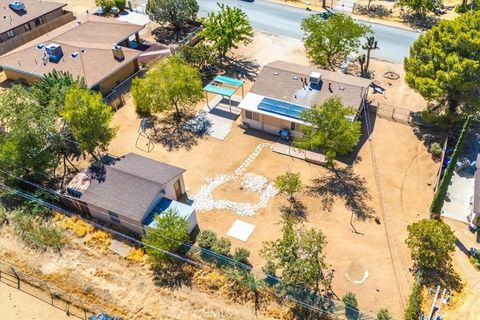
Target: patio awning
[(226, 92), (229, 81)]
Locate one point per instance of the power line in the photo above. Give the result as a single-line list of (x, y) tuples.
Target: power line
[(175, 256)]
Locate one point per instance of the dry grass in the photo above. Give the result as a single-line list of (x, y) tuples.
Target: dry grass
[(210, 280), (136, 255), (78, 227), (100, 239)]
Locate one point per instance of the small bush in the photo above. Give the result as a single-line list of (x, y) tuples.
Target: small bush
[(475, 262), (351, 305), (222, 246), (206, 239), (384, 314), (100, 238), (136, 255), (436, 150), (3, 216), (120, 4), (106, 5), (462, 8), (269, 268), (241, 255), (79, 227)]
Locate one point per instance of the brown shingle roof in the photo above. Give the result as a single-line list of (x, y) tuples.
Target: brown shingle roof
[(10, 19), (94, 34), (130, 185), (281, 80)]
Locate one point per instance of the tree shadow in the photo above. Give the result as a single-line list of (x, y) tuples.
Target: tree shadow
[(417, 21), (445, 277), (345, 184), (173, 275), (183, 133), (296, 210), (377, 11), (167, 35), (240, 67)]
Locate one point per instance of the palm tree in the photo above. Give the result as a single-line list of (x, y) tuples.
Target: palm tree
[(371, 44)]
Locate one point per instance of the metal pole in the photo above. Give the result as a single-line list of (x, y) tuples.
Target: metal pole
[(206, 96)]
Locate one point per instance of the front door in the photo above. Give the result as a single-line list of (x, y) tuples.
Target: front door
[(178, 189)]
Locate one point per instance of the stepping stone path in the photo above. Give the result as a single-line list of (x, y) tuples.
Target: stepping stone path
[(204, 199)]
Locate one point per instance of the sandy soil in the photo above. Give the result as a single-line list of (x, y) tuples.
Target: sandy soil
[(16, 304), (404, 180), (78, 6)]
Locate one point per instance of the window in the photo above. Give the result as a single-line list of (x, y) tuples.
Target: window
[(252, 115), (43, 19), (10, 33), (114, 217), (294, 126), (27, 27), (37, 22)]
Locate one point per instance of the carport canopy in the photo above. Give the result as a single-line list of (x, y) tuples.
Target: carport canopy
[(225, 87)]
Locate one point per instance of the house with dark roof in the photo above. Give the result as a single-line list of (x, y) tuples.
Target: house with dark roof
[(25, 20), (129, 191), (283, 90), (99, 50)]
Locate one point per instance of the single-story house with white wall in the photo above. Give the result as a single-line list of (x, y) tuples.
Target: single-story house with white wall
[(129, 191), (476, 194), (283, 90)]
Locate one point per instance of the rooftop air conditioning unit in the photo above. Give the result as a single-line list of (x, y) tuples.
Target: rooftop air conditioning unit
[(315, 77), (17, 6), (118, 52), (54, 52)]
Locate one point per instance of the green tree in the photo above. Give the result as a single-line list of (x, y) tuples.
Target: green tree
[(370, 45), (351, 305), (289, 183), (52, 88), (106, 5), (200, 57), (172, 84), (444, 64), (120, 4), (329, 42), (170, 234), (441, 193), (24, 147), (176, 13), (384, 314), (299, 256), (420, 7), (331, 129), (431, 243), (89, 120), (227, 28)]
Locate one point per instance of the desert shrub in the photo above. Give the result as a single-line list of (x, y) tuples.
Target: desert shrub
[(351, 305), (210, 279), (241, 255), (106, 5), (37, 234), (206, 239), (79, 227), (475, 262), (462, 8), (436, 150), (120, 4), (269, 268), (3, 216), (100, 238), (384, 314), (136, 255), (222, 246), (414, 302)]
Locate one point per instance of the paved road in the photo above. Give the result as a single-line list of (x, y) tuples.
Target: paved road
[(284, 20)]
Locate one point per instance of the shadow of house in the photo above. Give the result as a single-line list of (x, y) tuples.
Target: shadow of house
[(345, 184)]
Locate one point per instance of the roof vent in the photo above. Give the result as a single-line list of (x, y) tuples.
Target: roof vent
[(54, 52), (40, 46), (82, 50), (74, 55), (315, 77), (118, 52), (17, 6)]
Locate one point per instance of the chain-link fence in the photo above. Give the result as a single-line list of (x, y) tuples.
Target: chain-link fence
[(390, 112), (57, 298)]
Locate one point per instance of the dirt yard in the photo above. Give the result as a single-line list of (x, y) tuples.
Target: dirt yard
[(16, 304), (357, 246)]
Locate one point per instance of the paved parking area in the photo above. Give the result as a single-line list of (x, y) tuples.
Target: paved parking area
[(461, 188)]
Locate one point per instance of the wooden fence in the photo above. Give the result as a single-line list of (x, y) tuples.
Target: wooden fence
[(39, 31)]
